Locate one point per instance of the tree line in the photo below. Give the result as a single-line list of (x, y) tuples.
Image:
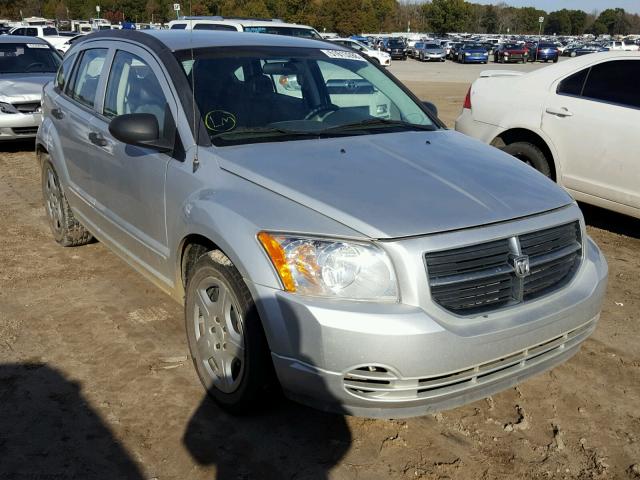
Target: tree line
[(347, 17)]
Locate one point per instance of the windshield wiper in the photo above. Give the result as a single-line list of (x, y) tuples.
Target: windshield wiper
[(378, 122), (259, 131)]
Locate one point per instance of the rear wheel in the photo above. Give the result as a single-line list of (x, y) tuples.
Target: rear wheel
[(225, 335), (529, 154), (66, 230)]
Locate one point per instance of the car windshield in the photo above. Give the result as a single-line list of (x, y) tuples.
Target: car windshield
[(547, 45), (431, 45), (511, 46), (396, 44), (288, 31), (473, 46), (284, 94), (27, 58), (49, 31)]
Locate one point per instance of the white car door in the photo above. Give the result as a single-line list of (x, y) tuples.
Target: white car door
[(592, 117)]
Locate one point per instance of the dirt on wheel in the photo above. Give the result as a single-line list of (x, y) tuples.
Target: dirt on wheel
[(96, 381)]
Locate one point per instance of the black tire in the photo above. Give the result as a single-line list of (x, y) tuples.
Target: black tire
[(257, 374), (555, 60), (529, 154), (66, 229)]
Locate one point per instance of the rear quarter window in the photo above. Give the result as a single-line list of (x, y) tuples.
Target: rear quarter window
[(572, 85)]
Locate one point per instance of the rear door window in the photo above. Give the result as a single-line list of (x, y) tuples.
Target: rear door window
[(87, 76), (609, 82), (64, 72)]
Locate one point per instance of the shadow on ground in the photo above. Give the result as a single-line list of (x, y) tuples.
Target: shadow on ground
[(48, 431), (288, 441), (611, 221), (18, 146)]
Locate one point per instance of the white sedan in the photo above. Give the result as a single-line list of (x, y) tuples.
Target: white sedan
[(578, 122)]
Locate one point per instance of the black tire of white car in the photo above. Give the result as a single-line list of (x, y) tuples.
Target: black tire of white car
[(65, 228), (257, 374), (529, 154)]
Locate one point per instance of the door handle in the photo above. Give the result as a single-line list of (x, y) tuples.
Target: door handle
[(97, 139), (57, 113), (559, 112)]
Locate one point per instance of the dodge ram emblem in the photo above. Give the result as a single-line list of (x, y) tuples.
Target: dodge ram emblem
[(521, 266)]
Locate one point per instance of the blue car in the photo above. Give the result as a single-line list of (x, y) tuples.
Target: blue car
[(543, 52), (590, 48), (473, 53)]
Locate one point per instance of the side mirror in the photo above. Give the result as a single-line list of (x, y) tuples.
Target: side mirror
[(140, 129), (431, 107)]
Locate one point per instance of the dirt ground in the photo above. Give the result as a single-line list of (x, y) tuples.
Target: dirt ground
[(95, 380)]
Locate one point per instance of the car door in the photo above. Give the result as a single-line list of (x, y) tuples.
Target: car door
[(130, 180), (72, 113), (591, 117)]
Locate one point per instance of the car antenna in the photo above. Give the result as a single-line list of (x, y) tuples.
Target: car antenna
[(196, 128)]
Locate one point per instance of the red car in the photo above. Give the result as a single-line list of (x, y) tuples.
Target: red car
[(510, 52)]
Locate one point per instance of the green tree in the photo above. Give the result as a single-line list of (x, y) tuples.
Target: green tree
[(490, 19), (446, 15), (528, 19), (613, 21), (578, 21), (558, 23)]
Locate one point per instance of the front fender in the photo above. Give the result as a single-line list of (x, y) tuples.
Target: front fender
[(230, 211)]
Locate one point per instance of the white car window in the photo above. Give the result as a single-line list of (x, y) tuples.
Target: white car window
[(609, 82)]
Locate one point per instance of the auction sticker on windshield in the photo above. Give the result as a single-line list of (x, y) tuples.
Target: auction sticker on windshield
[(38, 45), (343, 55)]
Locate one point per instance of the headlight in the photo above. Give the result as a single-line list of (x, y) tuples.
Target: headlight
[(467, 53), (7, 108), (331, 268)]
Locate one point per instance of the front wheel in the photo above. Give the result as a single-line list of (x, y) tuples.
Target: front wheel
[(555, 60), (225, 335), (531, 155), (66, 229)]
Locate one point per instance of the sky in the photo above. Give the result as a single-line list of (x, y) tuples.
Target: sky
[(632, 6)]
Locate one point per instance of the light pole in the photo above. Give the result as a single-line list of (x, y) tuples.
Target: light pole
[(540, 21)]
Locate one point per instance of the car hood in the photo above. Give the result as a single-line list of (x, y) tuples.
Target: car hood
[(395, 185), (434, 50), (23, 86), (474, 50)]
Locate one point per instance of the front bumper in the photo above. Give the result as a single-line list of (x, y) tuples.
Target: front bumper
[(400, 360), (16, 126), (434, 56), (475, 58)]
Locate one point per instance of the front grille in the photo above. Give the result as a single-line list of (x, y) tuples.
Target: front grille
[(25, 130), (381, 383), (484, 277), (27, 107)]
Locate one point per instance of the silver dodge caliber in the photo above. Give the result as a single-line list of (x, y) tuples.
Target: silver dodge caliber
[(324, 231)]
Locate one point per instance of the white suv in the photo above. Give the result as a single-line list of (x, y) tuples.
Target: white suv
[(273, 26), (378, 56)]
